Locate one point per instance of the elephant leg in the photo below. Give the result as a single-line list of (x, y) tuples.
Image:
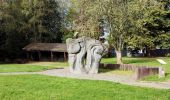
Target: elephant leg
[(95, 64), (72, 62), (88, 60), (79, 67), (97, 55)]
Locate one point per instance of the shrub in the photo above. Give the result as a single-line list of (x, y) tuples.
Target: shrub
[(168, 55)]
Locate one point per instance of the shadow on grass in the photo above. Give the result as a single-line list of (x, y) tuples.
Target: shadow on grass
[(167, 74), (57, 68), (102, 70)]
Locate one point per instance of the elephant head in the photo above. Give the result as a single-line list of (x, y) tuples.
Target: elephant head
[(73, 46)]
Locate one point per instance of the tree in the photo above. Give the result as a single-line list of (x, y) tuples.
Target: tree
[(11, 20), (25, 21), (140, 23), (116, 13), (151, 24), (44, 20), (83, 19)]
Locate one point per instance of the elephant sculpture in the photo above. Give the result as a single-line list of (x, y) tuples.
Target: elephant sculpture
[(85, 54)]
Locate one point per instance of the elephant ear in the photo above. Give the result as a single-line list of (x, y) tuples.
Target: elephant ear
[(73, 46)]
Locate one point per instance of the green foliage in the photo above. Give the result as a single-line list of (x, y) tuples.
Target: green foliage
[(39, 87), (44, 20), (168, 55), (67, 34), (150, 24), (11, 21)]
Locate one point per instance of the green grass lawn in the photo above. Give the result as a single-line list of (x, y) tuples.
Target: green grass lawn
[(144, 62), (31, 67), (39, 87), (40, 66)]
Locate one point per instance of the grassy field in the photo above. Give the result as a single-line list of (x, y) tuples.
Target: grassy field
[(39, 87), (31, 67), (40, 66)]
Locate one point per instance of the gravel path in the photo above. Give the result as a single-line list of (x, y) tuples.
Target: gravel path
[(128, 79)]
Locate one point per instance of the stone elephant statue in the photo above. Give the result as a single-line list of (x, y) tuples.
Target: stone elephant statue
[(85, 54)]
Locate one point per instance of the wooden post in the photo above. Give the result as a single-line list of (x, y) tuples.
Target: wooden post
[(28, 55), (65, 58), (31, 57), (39, 55), (52, 56)]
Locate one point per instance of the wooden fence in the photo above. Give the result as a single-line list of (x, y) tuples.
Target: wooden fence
[(140, 71)]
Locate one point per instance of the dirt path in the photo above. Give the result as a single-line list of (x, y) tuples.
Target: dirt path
[(128, 79)]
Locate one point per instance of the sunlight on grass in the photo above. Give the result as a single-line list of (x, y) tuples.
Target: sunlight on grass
[(153, 78), (118, 72), (31, 67), (156, 78), (62, 64)]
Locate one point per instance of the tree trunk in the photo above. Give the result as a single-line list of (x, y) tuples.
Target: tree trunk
[(118, 57)]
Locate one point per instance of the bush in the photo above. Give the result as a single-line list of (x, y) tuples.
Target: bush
[(168, 55)]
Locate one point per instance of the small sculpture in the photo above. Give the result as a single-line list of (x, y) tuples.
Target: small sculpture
[(85, 54)]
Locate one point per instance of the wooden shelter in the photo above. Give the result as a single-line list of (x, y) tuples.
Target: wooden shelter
[(46, 51)]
